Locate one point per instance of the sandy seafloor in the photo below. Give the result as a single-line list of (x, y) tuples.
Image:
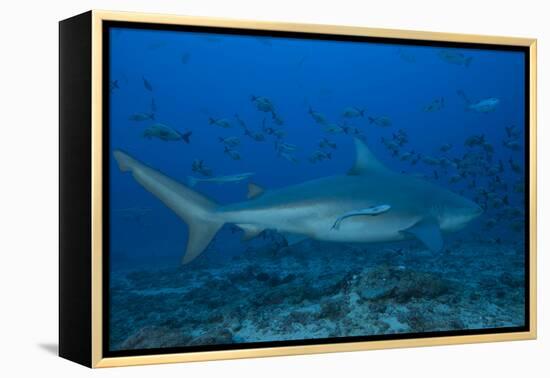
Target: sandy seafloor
[(274, 292)]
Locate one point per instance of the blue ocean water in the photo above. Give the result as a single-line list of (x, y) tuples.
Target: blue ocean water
[(287, 110)]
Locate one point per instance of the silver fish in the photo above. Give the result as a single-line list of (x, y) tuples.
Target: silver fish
[(317, 117), (166, 133), (138, 117), (486, 105), (221, 122), (353, 112), (455, 57), (192, 181), (371, 211), (381, 121)]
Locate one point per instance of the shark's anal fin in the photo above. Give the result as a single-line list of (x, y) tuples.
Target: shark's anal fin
[(250, 231), (428, 232), (292, 239), (369, 211), (254, 191)]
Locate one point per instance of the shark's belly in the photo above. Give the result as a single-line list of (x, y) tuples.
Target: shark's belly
[(295, 220), (317, 223), (362, 229)]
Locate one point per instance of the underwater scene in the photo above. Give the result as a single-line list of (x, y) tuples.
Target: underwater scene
[(275, 188)]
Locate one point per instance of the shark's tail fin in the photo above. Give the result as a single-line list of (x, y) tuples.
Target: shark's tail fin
[(193, 208)]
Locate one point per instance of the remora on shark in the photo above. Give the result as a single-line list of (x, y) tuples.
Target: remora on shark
[(413, 208)]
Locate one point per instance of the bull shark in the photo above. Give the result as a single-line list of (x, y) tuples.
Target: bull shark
[(404, 206)]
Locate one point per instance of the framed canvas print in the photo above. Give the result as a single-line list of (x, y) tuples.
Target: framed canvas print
[(234, 189)]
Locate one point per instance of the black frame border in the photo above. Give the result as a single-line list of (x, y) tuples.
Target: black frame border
[(106, 25), (75, 183)]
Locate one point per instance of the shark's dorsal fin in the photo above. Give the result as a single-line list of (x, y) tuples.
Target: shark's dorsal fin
[(365, 161), (254, 190), (428, 232)]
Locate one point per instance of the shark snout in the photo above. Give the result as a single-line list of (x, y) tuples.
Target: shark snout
[(472, 211), (458, 216)]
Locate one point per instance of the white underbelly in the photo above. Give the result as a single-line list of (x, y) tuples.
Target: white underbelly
[(319, 226)]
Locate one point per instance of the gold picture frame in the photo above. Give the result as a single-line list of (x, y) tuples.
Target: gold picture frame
[(95, 19)]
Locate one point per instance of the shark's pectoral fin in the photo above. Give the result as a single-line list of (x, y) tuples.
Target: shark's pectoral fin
[(292, 239), (428, 232), (254, 191), (250, 231)]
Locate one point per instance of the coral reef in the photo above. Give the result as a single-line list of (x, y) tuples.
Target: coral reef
[(318, 290)]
